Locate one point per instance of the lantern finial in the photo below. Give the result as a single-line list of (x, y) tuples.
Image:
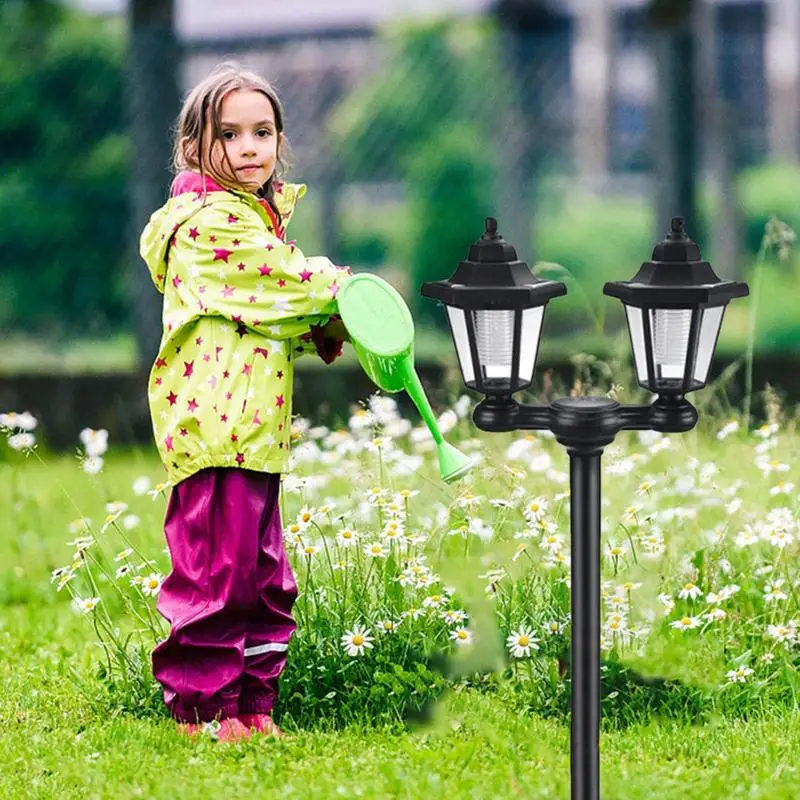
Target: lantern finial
[(677, 230), (491, 228)]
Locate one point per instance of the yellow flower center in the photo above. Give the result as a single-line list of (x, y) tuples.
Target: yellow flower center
[(523, 641), (462, 634), (358, 640)]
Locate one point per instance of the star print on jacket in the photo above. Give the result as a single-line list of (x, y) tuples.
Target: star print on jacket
[(240, 306)]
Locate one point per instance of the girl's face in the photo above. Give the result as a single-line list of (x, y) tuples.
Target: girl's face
[(249, 137)]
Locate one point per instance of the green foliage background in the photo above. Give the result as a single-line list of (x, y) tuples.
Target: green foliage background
[(64, 191), (64, 155)]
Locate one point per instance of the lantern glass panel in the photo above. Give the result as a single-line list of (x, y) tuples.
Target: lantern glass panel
[(494, 337), (458, 327), (670, 332), (636, 329), (710, 325), (529, 342)]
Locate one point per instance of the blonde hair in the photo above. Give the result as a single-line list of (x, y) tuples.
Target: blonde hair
[(203, 104)]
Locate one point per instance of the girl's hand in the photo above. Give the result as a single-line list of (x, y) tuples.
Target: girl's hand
[(335, 329)]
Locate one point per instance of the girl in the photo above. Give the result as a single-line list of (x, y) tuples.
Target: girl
[(240, 305)]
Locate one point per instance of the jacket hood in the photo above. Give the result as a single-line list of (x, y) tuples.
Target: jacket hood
[(188, 189)]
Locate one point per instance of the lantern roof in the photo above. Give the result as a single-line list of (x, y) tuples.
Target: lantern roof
[(676, 277), (492, 277)]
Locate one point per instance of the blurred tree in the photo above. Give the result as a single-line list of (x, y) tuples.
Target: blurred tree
[(429, 120), (450, 197), (63, 163), (676, 115), (433, 77), (153, 105)]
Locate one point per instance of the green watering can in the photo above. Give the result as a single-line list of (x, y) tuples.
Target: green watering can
[(382, 334)]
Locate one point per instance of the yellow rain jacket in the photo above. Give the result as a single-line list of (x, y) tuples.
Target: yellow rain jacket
[(240, 305)]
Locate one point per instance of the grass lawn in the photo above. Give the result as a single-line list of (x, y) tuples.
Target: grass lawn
[(52, 746), (55, 743)]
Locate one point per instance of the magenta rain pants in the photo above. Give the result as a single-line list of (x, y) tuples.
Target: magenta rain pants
[(228, 598)]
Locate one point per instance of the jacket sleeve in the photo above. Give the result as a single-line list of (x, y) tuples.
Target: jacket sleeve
[(242, 272)]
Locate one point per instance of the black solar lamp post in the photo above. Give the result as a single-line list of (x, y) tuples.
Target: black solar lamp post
[(674, 307)]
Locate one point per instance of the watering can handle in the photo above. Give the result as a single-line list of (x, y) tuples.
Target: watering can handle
[(417, 394)]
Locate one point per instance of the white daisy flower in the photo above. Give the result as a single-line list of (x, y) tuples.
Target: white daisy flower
[(686, 623), (553, 542), (773, 592), (86, 604), (92, 465), (130, 521), (766, 430), (387, 626), (726, 592), (59, 573), (22, 441), (356, 640), (94, 441), (375, 550), (305, 517), (141, 485), (453, 616), (462, 636), (468, 500), (123, 554), (521, 642), (746, 537), (151, 585), (690, 590), (783, 633), (434, 601), (16, 421), (81, 543), (158, 489), (535, 509), (552, 627), (668, 603), (728, 429), (347, 537), (779, 537), (739, 675)]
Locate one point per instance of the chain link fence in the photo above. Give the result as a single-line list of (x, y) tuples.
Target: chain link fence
[(407, 139)]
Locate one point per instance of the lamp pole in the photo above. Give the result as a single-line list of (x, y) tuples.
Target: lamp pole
[(585, 426), (674, 307)]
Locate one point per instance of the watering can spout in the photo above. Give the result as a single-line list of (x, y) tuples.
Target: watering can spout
[(382, 334), (453, 464)]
